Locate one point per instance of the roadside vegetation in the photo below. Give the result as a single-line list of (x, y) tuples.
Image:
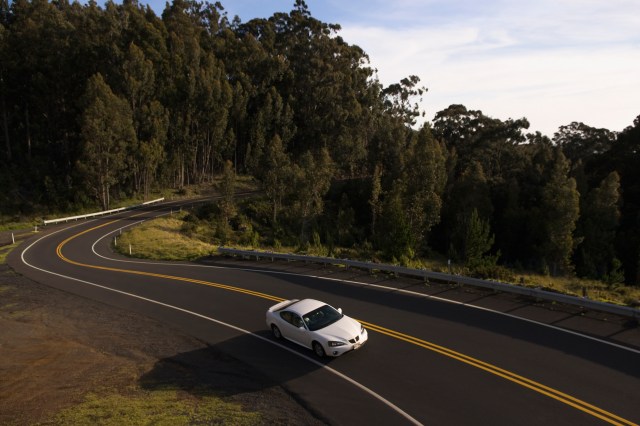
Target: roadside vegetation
[(4, 252), (192, 234), (161, 407)]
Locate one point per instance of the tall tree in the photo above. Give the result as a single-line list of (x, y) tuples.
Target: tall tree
[(152, 139), (476, 239), (425, 177), (107, 129), (276, 175), (468, 196), (397, 99), (624, 157), (579, 141), (559, 211), (473, 136), (139, 87), (393, 234), (597, 228), (227, 189), (313, 179), (375, 198)]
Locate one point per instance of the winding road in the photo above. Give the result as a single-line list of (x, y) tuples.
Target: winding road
[(427, 361)]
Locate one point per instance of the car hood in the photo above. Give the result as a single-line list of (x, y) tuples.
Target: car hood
[(345, 328)]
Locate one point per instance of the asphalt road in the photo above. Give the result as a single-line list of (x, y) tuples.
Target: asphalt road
[(427, 361)]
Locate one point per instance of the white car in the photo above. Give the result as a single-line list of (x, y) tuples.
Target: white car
[(316, 325)]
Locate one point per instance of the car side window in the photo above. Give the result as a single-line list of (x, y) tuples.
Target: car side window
[(292, 319), (287, 316)]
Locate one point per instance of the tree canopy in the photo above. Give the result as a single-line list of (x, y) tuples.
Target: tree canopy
[(103, 102)]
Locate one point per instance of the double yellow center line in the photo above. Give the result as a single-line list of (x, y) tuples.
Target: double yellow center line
[(505, 374), (492, 369)]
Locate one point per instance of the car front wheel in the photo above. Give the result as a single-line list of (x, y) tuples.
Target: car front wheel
[(276, 332), (317, 348)]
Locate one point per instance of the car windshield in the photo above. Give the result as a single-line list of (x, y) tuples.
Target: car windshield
[(321, 317)]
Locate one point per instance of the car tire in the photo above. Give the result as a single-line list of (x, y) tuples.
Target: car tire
[(276, 332), (318, 349)]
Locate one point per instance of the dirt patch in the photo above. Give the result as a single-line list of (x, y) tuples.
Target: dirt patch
[(57, 348)]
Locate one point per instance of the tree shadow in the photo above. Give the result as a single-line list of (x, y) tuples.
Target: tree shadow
[(616, 358)]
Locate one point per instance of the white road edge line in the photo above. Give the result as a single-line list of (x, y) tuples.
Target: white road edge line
[(233, 327), (413, 293)]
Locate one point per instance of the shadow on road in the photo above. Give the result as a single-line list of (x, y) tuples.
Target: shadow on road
[(255, 366), (618, 359)]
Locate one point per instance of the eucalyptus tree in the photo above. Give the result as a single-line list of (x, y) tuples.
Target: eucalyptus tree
[(228, 208), (107, 130), (549, 210), (624, 157), (468, 196), (425, 179), (327, 84), (36, 82), (312, 179), (4, 53), (183, 64), (599, 221), (213, 101), (398, 97), (581, 142), (139, 87), (273, 118), (276, 174), (474, 241), (474, 136), (393, 233)]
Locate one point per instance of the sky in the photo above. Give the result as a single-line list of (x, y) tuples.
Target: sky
[(550, 61)]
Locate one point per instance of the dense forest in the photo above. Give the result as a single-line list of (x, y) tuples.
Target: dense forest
[(101, 103)]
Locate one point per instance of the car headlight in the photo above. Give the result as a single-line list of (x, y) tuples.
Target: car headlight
[(333, 344)]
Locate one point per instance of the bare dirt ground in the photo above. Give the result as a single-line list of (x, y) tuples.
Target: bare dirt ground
[(56, 348)]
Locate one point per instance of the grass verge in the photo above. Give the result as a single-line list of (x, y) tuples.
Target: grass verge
[(164, 239), (158, 407), (4, 252)]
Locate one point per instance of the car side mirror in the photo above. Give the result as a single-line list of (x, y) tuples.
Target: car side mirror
[(340, 310)]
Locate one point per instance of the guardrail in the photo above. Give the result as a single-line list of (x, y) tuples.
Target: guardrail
[(102, 213), (438, 276)]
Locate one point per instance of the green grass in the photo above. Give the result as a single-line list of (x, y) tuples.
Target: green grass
[(4, 252), (161, 239), (158, 407)]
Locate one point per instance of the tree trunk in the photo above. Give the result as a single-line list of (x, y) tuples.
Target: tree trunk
[(5, 128)]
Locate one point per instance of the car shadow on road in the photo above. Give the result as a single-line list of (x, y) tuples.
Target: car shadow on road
[(258, 363), (248, 366)]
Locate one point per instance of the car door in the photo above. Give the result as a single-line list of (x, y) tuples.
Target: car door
[(300, 332), (293, 328)]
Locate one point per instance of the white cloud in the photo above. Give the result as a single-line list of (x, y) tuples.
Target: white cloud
[(551, 65)]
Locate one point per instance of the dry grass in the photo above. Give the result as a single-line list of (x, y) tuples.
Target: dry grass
[(161, 239)]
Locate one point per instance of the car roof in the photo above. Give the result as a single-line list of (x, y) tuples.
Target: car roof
[(305, 306)]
